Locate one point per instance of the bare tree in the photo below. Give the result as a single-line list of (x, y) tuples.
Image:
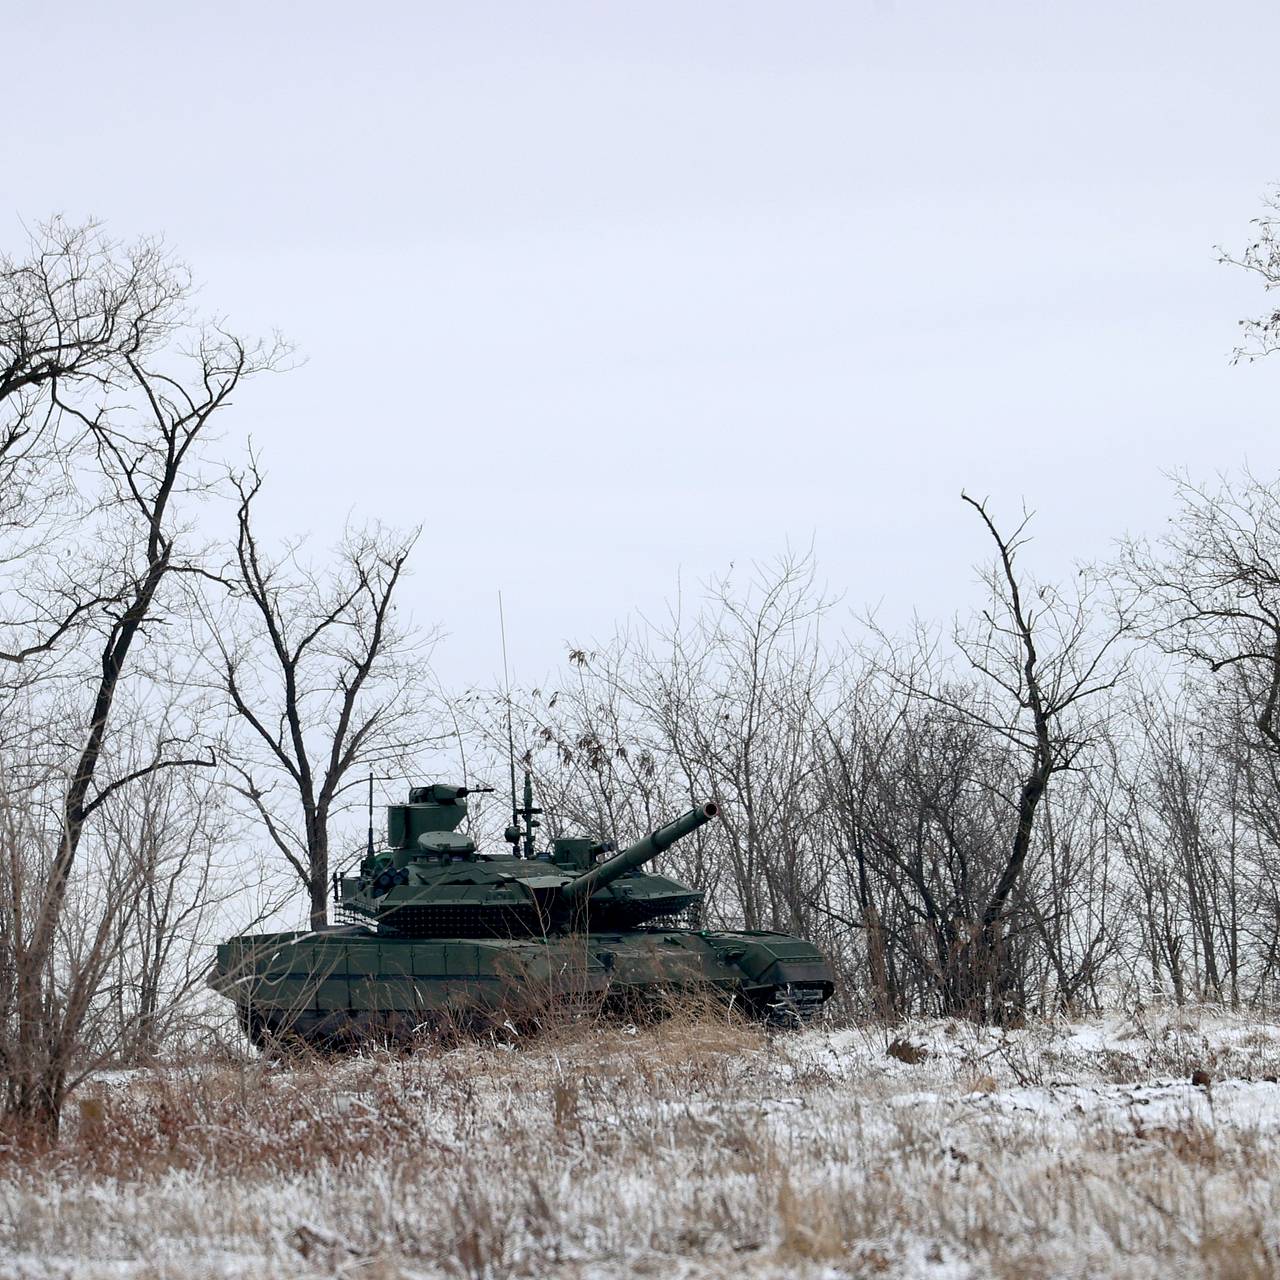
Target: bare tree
[(1207, 593), (1074, 899), (1180, 831), (1044, 671), (913, 780), (178, 830), (120, 413), (1209, 590), (326, 680), (78, 315)]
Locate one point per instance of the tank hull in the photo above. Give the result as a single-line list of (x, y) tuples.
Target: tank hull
[(349, 984)]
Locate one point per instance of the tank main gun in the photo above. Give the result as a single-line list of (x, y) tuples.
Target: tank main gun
[(635, 855)]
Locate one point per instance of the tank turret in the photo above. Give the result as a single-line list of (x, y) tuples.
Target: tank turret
[(433, 882)]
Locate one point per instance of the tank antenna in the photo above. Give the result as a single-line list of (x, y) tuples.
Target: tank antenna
[(511, 737), (371, 813)]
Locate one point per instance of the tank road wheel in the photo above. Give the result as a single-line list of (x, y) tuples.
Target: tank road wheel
[(793, 1004)]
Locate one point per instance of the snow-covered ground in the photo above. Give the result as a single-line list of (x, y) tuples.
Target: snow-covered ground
[(683, 1150)]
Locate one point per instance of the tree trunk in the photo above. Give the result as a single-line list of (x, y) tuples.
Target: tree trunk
[(318, 886)]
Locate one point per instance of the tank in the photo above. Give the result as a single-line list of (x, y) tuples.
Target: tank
[(431, 930)]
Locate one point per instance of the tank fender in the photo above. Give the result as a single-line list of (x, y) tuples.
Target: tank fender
[(772, 959)]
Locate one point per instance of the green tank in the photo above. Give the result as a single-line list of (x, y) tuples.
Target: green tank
[(431, 929)]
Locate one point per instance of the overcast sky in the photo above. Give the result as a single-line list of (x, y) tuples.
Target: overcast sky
[(603, 294)]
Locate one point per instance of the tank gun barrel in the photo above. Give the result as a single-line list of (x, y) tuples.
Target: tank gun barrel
[(636, 855)]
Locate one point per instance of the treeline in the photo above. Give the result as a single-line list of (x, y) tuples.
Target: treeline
[(1068, 798)]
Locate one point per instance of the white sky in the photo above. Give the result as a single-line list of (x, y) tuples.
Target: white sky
[(606, 293)]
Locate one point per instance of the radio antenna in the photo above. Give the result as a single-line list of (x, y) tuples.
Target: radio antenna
[(511, 737)]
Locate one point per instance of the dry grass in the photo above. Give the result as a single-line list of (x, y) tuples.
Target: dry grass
[(692, 1148)]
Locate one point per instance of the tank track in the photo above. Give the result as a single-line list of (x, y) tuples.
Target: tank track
[(794, 1004), (786, 1007)]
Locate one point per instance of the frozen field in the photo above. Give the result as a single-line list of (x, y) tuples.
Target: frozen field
[(685, 1150)]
